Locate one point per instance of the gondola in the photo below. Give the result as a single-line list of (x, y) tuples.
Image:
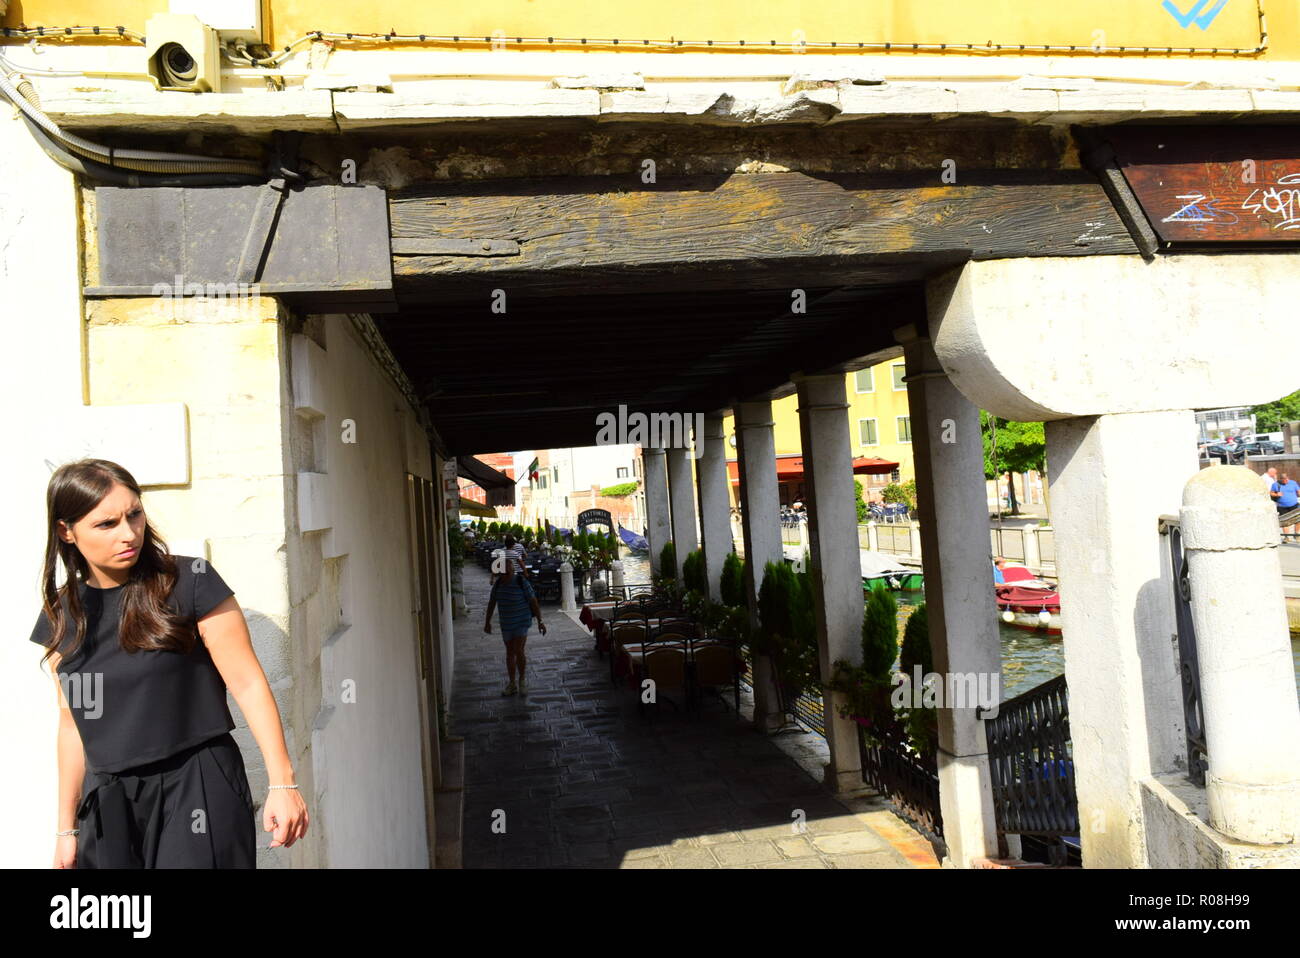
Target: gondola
[(638, 545)]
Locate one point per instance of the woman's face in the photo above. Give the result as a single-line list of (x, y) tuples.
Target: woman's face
[(110, 535)]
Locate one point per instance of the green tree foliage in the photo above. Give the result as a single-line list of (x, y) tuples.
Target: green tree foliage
[(916, 642), (733, 581), (668, 561), (905, 493), (880, 633), (786, 631), (863, 512), (775, 601), (1270, 416), (622, 489), (456, 547), (1021, 446), (922, 724), (693, 574)]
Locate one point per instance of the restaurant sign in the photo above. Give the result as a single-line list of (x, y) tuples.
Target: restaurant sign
[(595, 517), (1212, 185)]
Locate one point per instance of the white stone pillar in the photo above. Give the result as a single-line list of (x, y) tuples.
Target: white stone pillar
[(760, 515), (1033, 560), (658, 513), (948, 453), (1114, 367), (873, 536), (681, 490), (1117, 615), (715, 501), (1248, 693), (616, 572), (836, 572), (567, 601)]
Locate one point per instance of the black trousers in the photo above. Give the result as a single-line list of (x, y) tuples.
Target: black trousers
[(193, 809)]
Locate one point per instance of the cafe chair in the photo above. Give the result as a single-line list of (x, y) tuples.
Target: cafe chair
[(663, 661), (626, 637)]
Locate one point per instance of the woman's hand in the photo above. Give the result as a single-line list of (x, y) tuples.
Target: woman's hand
[(285, 814), (65, 851), (487, 626)]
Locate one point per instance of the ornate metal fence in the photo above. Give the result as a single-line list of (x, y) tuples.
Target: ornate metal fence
[(1031, 764), (806, 708), (1189, 668), (909, 778)]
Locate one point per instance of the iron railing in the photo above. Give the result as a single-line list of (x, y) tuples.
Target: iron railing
[(1031, 763), (908, 778), (1188, 661), (807, 707)]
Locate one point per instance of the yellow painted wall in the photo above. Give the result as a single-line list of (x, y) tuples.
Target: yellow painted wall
[(884, 404), (1114, 23)]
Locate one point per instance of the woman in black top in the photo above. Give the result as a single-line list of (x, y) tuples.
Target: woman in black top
[(144, 645)]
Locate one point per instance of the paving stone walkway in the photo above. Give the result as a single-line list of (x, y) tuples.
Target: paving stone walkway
[(569, 774)]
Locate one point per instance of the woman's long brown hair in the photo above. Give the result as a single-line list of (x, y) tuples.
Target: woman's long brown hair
[(147, 624)]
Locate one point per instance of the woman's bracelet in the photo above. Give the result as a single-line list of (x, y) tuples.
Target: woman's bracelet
[(282, 786), (70, 831)]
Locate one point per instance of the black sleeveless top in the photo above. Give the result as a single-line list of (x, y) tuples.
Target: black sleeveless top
[(137, 707)]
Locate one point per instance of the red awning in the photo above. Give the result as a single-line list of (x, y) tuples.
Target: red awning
[(864, 465), (790, 468)]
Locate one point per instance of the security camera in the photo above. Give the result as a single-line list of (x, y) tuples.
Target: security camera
[(182, 53)]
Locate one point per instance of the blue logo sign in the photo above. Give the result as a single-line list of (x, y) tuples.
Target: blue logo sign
[(1194, 15)]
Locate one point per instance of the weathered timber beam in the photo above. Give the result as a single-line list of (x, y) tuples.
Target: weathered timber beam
[(584, 223)]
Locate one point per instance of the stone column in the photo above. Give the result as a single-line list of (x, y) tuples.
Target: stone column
[(836, 572), (1248, 693), (658, 514), (1114, 367), (1033, 559), (681, 489), (567, 601), (948, 454), (715, 502), (1117, 615), (761, 527)]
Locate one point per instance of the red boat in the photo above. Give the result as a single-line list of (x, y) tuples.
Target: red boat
[(1027, 602)]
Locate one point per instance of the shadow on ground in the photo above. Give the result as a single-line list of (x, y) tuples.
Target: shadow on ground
[(568, 774)]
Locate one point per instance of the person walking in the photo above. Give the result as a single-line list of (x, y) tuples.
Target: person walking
[(144, 645), (1286, 493), (1270, 477), (514, 556), (518, 604)]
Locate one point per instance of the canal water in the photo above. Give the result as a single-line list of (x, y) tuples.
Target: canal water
[(1028, 658)]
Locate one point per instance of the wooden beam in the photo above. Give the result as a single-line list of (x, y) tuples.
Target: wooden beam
[(574, 229)]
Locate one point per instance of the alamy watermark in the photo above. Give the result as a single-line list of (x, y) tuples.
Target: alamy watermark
[(950, 690), (85, 691), (656, 430), (211, 296)]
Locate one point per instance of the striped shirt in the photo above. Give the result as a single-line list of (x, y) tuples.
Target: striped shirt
[(516, 552), (514, 610)]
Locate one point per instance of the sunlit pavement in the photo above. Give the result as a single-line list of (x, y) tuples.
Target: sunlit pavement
[(568, 774)]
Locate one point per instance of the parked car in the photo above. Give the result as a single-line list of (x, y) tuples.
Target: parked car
[(1264, 448), (1226, 454)]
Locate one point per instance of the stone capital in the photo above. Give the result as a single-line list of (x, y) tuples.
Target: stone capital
[(1063, 337)]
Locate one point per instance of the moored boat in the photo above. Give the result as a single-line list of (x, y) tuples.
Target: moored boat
[(638, 545), (1027, 602), (879, 568)]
